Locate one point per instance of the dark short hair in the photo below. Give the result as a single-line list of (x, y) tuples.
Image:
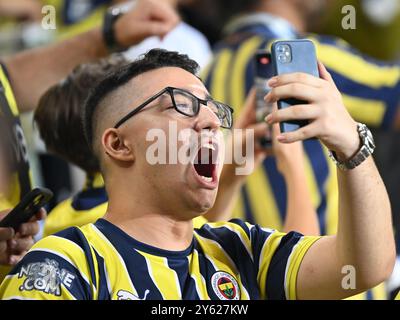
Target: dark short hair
[(154, 59), (58, 115)]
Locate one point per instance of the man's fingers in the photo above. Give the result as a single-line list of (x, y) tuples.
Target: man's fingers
[(304, 133), (28, 229), (293, 90), (41, 215), (6, 234), (296, 77), (17, 246), (297, 112)]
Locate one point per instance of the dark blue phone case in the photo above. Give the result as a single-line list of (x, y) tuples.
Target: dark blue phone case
[(303, 59)]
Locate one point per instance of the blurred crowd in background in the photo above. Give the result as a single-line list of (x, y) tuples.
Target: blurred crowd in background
[(377, 34)]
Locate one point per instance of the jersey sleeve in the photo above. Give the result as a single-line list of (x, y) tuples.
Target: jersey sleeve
[(54, 269), (370, 88), (278, 257)]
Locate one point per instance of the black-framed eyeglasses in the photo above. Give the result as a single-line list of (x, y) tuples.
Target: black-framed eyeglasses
[(187, 104)]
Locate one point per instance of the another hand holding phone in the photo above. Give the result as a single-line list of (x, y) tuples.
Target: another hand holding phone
[(19, 225)]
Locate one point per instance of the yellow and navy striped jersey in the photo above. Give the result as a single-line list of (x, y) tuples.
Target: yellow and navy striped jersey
[(19, 166), (370, 90), (225, 261), (87, 206)]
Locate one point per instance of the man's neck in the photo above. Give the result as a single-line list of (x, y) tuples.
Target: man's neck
[(285, 11), (150, 226)]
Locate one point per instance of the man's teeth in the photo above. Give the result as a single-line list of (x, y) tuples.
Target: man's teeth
[(208, 179)]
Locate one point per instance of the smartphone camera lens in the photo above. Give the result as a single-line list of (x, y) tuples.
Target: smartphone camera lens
[(284, 53)]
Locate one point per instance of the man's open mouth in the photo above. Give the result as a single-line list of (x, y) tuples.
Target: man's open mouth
[(205, 162)]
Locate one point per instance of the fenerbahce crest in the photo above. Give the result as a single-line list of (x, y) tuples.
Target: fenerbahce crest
[(225, 286)]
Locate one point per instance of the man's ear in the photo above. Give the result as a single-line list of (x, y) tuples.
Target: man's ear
[(116, 146)]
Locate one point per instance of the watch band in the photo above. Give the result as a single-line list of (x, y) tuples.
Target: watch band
[(110, 17), (366, 149)]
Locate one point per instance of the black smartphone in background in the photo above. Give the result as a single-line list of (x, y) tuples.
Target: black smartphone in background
[(27, 208), (289, 57), (263, 71)]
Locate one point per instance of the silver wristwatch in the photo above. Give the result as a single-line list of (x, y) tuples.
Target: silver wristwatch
[(366, 149)]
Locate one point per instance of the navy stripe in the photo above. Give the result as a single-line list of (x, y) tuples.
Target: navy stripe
[(80, 289), (103, 293), (75, 235), (233, 246), (242, 225), (135, 263), (88, 199), (258, 238), (186, 282), (275, 281), (206, 269)]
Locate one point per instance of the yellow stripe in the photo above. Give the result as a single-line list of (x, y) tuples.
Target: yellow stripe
[(237, 81), (262, 200), (10, 289), (295, 259), (68, 249), (165, 278), (220, 72), (194, 271), (268, 250), (332, 197), (9, 93), (237, 229), (356, 68), (370, 112), (116, 269), (199, 221), (221, 261)]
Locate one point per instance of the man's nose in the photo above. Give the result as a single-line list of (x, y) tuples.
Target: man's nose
[(207, 119)]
